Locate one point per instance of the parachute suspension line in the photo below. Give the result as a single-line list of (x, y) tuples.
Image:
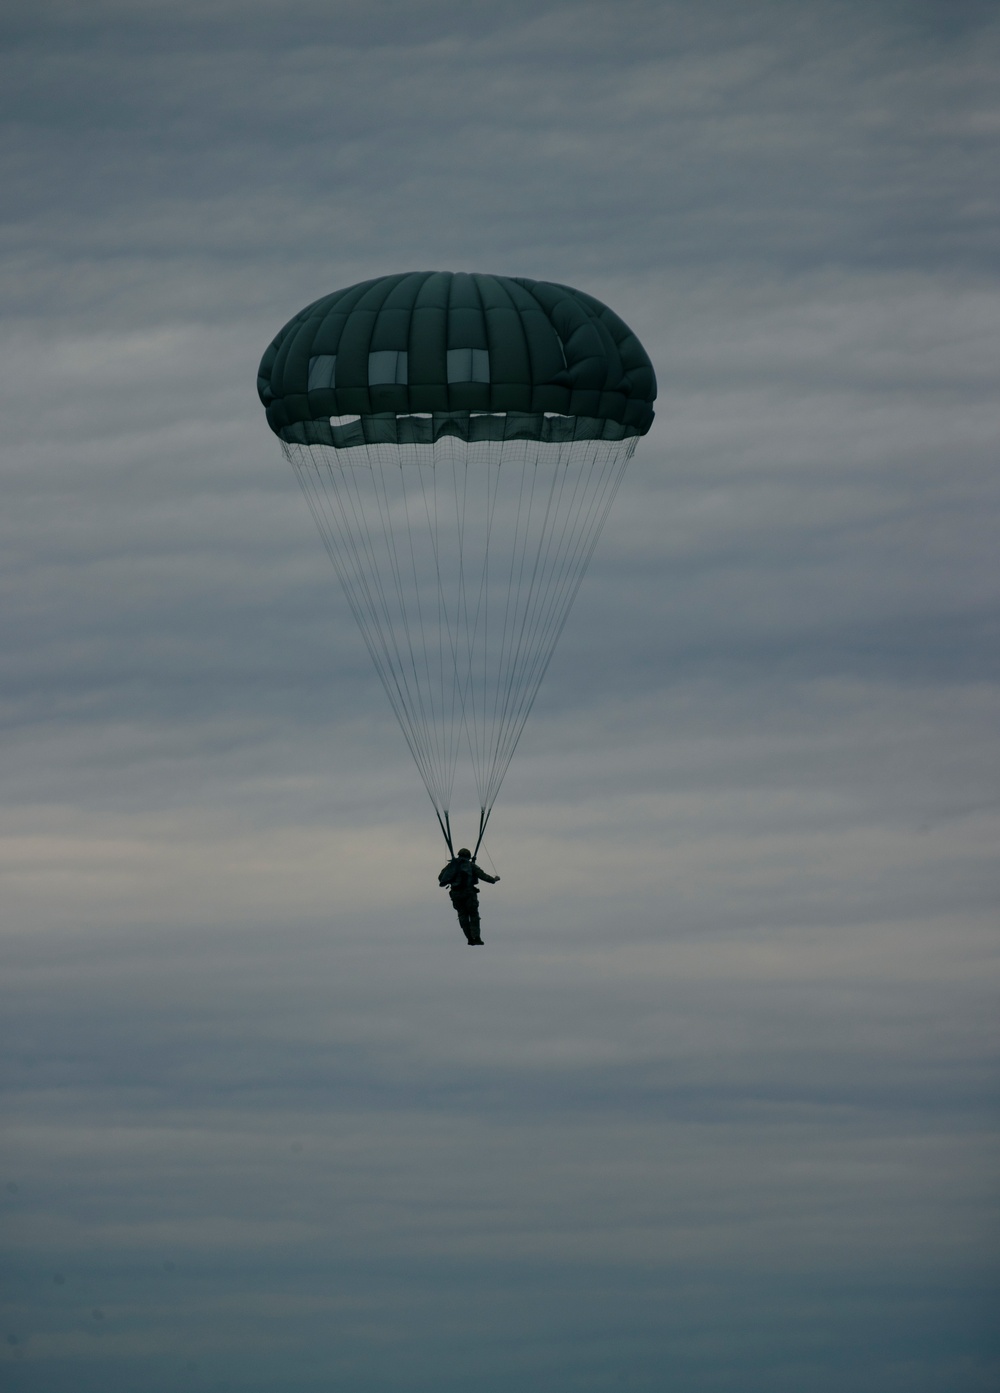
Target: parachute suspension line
[(431, 718), (404, 673), (519, 647), (460, 561), (381, 478), (339, 547), (449, 689), (577, 555), (508, 648), (561, 557), (464, 469), (349, 541), (486, 852), (459, 495), (476, 738), (553, 615)]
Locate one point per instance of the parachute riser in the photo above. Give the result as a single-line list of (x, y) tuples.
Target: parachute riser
[(484, 817), (445, 824)]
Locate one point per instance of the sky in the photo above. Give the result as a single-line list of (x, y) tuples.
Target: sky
[(716, 1107)]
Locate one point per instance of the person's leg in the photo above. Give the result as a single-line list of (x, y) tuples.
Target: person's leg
[(467, 909)]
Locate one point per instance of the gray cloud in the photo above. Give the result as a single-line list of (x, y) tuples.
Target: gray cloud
[(716, 1108)]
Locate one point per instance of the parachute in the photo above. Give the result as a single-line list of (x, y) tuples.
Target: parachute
[(459, 439)]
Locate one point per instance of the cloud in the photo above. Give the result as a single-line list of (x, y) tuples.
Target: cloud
[(715, 1101)]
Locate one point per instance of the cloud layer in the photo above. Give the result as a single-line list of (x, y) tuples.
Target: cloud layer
[(716, 1106)]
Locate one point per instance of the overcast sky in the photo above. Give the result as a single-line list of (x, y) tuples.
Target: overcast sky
[(715, 1109)]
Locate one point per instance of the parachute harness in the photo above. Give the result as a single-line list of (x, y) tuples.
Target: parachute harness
[(460, 561)]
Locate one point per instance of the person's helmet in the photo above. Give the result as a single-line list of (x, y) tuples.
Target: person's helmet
[(465, 853)]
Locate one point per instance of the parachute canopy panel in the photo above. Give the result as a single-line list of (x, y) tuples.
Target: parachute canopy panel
[(413, 357)]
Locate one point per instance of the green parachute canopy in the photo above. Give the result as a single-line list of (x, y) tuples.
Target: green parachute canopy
[(415, 356), (459, 440)]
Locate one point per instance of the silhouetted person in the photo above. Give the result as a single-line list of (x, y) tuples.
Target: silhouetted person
[(460, 875)]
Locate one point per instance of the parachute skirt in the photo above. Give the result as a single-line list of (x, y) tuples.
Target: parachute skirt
[(460, 552)]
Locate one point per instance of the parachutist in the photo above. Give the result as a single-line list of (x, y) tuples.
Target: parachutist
[(460, 875), (459, 439)]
